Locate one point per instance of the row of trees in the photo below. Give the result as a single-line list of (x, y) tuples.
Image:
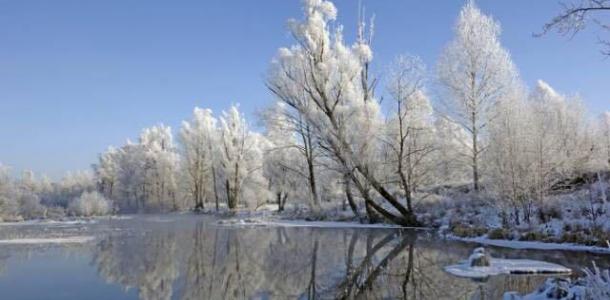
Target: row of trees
[(30, 197), (216, 162), (329, 139), (518, 146)]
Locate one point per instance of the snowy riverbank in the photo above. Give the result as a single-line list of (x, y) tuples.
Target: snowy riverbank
[(531, 245)]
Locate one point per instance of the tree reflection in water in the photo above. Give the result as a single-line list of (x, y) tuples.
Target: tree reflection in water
[(209, 262)]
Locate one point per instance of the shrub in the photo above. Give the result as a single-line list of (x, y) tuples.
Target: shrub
[(549, 212), (9, 209), (499, 234), (597, 283), (575, 238), (468, 231), (90, 204), (535, 236), (30, 207), (602, 237)]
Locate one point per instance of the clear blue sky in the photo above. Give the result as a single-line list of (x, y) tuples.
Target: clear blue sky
[(77, 76)]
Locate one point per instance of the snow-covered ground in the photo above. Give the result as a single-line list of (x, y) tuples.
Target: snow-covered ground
[(594, 285), (300, 223), (67, 221), (57, 240), (50, 222), (532, 245), (568, 220), (506, 266)]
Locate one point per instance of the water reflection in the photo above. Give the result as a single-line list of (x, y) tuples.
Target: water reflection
[(208, 262)]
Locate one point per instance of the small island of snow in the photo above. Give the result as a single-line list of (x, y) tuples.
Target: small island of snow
[(480, 265)]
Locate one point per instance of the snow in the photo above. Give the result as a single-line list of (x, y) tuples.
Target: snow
[(325, 224), (506, 266), (298, 223), (48, 222), (594, 285), (554, 288), (532, 245), (159, 219), (62, 240)]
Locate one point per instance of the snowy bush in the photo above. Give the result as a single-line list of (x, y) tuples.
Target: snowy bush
[(597, 283), (594, 285), (90, 204), (30, 207)]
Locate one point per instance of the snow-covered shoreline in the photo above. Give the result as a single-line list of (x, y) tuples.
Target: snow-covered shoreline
[(531, 245), (304, 223), (66, 221), (56, 240)]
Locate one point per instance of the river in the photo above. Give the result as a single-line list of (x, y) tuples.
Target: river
[(194, 257)]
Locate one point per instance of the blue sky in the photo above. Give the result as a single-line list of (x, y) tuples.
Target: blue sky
[(77, 76)]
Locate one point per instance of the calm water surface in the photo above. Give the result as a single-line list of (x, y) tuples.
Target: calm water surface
[(190, 257)]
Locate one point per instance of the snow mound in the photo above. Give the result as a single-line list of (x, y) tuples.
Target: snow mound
[(481, 265), (61, 240), (500, 266)]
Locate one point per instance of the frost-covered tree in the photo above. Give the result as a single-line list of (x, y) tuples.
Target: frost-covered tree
[(8, 204), (410, 129), (308, 149), (72, 185), (106, 172), (90, 204), (603, 138), (508, 160), (28, 197), (475, 72), (199, 139), (452, 147), (141, 176), (577, 14), (283, 165), (560, 142), (240, 160), (129, 196), (160, 166), (326, 82)]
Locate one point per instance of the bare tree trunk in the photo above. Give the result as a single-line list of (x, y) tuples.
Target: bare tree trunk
[(309, 155), (406, 188), (215, 187), (409, 272), (349, 196), (280, 201), (475, 153), (311, 288), (229, 194), (233, 190)]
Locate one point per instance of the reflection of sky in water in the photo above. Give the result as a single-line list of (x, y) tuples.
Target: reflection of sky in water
[(54, 275), (187, 257)]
